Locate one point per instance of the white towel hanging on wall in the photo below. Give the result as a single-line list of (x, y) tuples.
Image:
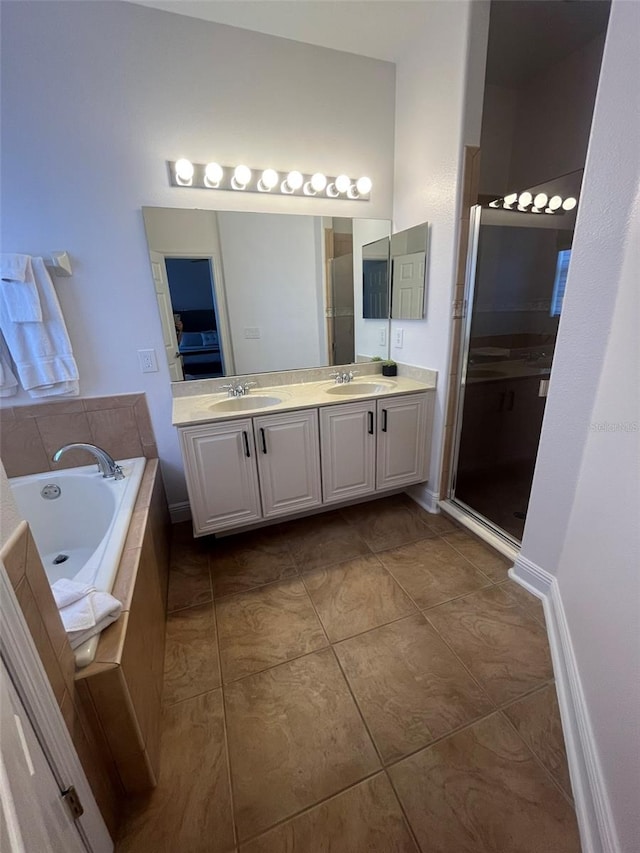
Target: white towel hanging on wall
[(19, 290), (41, 350), (8, 381)]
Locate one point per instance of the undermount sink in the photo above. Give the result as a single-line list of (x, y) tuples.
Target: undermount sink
[(485, 373), (348, 389), (245, 404)]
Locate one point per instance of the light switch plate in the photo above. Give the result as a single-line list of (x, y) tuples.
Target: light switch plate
[(252, 333), (382, 337), (398, 338), (147, 360)]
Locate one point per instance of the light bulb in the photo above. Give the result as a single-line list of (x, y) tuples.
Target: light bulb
[(541, 200), (294, 180), (569, 203), (213, 174), (242, 175), (318, 182), (343, 182), (524, 199), (184, 171), (495, 203), (363, 185), (555, 202), (511, 198), (269, 178)]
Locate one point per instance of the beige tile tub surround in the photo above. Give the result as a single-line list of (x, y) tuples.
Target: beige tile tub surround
[(147, 546), (30, 435)]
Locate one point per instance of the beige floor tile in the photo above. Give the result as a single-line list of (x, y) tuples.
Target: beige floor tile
[(482, 791), (190, 809), (505, 648), (364, 819), (431, 571), (249, 560), (323, 541), (389, 522), (439, 523), (355, 596), (490, 563), (266, 626), (526, 599), (537, 718), (189, 579), (410, 687), (191, 654), (295, 738)]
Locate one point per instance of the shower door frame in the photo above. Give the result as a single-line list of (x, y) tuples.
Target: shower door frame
[(475, 216)]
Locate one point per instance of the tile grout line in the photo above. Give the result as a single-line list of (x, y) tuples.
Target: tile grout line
[(538, 760), (226, 735)]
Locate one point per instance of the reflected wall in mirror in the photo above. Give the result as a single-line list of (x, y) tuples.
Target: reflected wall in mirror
[(253, 292), (408, 273)]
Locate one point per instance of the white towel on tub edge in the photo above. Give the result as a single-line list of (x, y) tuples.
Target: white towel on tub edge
[(84, 610)]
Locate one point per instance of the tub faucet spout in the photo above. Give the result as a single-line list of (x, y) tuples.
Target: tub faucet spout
[(107, 465)]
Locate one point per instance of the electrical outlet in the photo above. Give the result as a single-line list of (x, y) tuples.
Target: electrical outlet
[(147, 360), (252, 333), (398, 338), (382, 336)]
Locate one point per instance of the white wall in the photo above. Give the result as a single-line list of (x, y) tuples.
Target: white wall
[(97, 96), (432, 125), (273, 273), (582, 523)]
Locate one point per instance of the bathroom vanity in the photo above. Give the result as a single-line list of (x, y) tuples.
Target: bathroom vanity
[(286, 450)]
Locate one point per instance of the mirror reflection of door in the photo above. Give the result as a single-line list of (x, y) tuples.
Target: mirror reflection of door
[(408, 286), (195, 317), (375, 280)]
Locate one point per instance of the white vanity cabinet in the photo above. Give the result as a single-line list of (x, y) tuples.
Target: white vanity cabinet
[(222, 476), (288, 461), (267, 466), (348, 449), (404, 438)]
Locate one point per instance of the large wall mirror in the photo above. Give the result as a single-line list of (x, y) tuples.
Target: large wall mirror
[(394, 273), (253, 292)]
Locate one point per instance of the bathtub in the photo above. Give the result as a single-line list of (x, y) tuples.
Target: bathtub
[(79, 521)]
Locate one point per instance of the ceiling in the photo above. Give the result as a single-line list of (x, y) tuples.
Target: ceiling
[(381, 29), (526, 36)]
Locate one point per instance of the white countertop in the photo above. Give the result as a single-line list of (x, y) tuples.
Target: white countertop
[(202, 408)]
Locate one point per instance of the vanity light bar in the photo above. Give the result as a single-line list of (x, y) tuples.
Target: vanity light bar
[(541, 203), (212, 176)]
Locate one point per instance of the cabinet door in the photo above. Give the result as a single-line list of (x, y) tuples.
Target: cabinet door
[(222, 477), (288, 454), (403, 440), (348, 445)]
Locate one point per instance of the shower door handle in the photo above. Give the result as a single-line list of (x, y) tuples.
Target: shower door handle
[(503, 397)]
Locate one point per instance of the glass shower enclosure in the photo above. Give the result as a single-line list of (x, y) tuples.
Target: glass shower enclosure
[(516, 271)]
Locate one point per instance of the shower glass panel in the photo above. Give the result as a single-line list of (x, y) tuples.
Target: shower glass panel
[(516, 273)]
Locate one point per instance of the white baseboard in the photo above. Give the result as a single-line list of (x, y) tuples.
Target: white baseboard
[(595, 820), (180, 512), (425, 497)]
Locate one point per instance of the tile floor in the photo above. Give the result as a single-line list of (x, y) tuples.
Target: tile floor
[(365, 681)]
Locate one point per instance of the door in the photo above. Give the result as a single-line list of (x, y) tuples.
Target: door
[(169, 332), (407, 291), (288, 454), (222, 475), (343, 309), (33, 813), (348, 444), (403, 436), (516, 275)]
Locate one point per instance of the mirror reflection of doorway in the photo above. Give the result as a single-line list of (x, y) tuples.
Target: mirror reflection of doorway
[(195, 317)]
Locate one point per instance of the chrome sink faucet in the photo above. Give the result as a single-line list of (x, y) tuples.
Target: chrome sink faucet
[(342, 378), (237, 389), (107, 465)]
